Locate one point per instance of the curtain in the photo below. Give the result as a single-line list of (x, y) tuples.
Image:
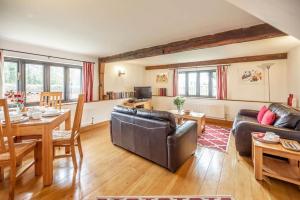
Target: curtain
[(175, 82), (88, 80), (1, 74), (222, 82)]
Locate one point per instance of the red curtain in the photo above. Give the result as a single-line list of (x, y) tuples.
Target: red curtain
[(88, 80), (222, 82), (175, 82)]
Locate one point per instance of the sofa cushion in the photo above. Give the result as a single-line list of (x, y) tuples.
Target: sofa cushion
[(125, 110), (287, 117), (158, 115), (268, 118), (261, 113)]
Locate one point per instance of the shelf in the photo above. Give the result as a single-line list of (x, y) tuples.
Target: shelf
[(281, 169)]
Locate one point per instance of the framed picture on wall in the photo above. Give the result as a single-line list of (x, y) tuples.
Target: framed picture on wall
[(252, 75), (162, 78)]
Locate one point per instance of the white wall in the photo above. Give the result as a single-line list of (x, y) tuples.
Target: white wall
[(12, 45), (134, 76), (237, 90), (293, 72)]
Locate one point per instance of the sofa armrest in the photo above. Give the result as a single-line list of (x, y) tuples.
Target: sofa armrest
[(249, 113), (244, 129), (182, 144)]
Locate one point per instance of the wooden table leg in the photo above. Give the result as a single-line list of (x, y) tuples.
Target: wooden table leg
[(38, 159), (47, 151), (258, 163), (68, 127)]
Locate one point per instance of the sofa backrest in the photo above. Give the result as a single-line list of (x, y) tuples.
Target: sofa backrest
[(287, 117), (149, 114)]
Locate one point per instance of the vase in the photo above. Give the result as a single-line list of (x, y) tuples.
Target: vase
[(179, 108)]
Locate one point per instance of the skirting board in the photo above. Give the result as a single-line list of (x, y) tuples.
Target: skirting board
[(93, 126), (220, 122)]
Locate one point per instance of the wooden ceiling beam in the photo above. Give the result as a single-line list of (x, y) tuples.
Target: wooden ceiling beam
[(257, 32), (277, 56)]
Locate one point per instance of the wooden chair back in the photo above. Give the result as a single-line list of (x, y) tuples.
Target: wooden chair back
[(8, 135), (51, 99), (77, 117)]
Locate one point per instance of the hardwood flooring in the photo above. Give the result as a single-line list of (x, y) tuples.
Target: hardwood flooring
[(110, 170)]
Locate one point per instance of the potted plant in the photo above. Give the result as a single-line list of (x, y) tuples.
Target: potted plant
[(178, 102), (16, 98)]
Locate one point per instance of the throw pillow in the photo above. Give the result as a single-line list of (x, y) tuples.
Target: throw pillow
[(268, 118), (261, 113)]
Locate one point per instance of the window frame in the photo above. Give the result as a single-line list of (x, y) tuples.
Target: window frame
[(21, 85), (210, 83)]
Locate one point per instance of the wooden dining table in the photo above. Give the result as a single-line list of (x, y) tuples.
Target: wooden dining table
[(43, 127)]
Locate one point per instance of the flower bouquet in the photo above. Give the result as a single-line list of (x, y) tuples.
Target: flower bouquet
[(16, 98)]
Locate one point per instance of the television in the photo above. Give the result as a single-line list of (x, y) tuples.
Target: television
[(142, 92)]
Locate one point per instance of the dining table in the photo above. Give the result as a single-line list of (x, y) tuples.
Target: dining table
[(42, 128)]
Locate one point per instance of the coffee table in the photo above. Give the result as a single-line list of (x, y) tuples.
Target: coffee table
[(195, 116), (266, 166)]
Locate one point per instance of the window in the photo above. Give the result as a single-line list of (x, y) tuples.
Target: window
[(34, 77), (34, 82), (10, 76), (201, 83), (74, 83), (57, 79)]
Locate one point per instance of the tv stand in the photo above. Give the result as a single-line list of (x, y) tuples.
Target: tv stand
[(145, 104)]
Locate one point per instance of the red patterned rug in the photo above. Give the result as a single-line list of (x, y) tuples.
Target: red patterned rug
[(216, 137), (200, 197)]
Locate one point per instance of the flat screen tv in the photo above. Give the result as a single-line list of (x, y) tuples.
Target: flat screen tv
[(142, 92)]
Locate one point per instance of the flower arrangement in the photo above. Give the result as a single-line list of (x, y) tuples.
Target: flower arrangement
[(17, 98), (178, 102)]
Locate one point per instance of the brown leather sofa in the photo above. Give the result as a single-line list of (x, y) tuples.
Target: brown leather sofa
[(287, 125), (153, 135)]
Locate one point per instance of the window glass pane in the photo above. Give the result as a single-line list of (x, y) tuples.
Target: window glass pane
[(34, 81), (57, 77), (204, 81), (74, 83), (181, 84), (192, 84), (214, 84), (10, 76)]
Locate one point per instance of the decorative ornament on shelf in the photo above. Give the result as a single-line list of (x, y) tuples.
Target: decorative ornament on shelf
[(16, 98), (178, 102)]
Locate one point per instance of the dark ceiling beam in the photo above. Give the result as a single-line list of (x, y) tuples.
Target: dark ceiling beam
[(277, 56), (257, 32)]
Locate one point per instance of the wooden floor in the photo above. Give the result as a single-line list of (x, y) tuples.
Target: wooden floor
[(109, 170)]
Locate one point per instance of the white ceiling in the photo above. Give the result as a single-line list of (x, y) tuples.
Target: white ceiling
[(260, 47), (107, 27), (282, 14)]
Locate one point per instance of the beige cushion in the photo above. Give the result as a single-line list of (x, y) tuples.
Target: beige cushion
[(61, 135)]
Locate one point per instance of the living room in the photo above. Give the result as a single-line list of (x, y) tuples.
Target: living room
[(151, 103)]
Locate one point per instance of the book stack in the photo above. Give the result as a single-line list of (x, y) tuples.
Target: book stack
[(162, 92), (119, 95)]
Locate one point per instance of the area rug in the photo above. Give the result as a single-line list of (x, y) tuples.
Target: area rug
[(216, 137), (165, 198)]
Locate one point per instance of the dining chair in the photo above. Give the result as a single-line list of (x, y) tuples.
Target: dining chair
[(11, 153), (51, 99), (70, 138)]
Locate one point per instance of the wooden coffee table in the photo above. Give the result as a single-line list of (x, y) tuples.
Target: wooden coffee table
[(280, 169), (195, 116)]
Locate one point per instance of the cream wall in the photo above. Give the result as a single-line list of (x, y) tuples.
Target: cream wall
[(7, 44), (293, 72), (134, 76), (239, 90)]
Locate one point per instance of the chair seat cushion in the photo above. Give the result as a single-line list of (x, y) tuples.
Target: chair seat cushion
[(61, 135)]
